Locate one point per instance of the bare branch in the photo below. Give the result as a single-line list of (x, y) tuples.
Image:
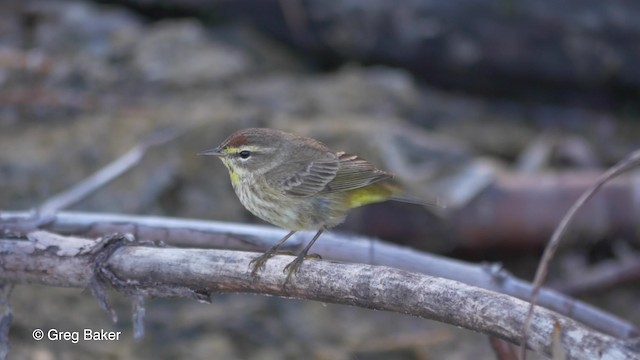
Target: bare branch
[(627, 163), (194, 273), (139, 312), (333, 246), (5, 318), (107, 174)]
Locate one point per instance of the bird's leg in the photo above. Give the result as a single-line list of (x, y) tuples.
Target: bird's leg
[(293, 266), (259, 262)]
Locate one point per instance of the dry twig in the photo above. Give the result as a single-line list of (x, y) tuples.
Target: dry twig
[(106, 174), (5, 318), (629, 162), (602, 276)]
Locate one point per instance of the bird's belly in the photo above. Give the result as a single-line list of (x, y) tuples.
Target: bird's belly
[(293, 213)]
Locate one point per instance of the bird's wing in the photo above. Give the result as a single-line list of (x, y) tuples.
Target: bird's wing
[(305, 178), (354, 173)]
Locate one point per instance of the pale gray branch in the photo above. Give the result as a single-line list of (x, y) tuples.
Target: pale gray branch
[(332, 246), (197, 273)]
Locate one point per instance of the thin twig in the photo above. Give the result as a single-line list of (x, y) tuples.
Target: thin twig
[(333, 246), (197, 273), (603, 276), (138, 311), (106, 174), (629, 162)]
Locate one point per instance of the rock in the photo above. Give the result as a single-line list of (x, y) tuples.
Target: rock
[(378, 91), (179, 53)]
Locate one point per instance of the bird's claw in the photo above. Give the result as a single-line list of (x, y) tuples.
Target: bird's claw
[(260, 262), (293, 267)]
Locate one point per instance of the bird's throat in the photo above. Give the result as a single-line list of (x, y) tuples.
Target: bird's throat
[(235, 178)]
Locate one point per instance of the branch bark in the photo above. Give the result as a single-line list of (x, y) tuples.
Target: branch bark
[(195, 273), (332, 246)]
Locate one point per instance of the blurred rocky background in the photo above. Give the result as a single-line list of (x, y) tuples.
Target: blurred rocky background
[(504, 110)]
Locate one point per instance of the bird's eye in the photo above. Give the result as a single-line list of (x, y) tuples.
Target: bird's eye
[(244, 154)]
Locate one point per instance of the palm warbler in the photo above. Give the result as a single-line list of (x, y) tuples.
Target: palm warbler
[(297, 183)]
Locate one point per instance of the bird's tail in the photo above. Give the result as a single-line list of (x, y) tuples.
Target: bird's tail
[(433, 202), (383, 191)]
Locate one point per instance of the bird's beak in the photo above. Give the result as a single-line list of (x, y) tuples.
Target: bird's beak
[(212, 152)]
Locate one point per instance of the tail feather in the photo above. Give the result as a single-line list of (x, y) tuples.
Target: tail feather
[(379, 192), (432, 202), (397, 194)]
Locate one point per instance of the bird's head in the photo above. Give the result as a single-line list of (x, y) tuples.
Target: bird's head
[(251, 151)]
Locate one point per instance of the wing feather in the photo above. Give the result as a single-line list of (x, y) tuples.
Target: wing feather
[(354, 173), (306, 178), (335, 172)]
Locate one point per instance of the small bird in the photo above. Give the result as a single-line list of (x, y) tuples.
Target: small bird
[(298, 183)]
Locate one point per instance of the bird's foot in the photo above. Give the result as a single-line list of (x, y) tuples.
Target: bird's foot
[(313, 256), (260, 262), (293, 267)]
